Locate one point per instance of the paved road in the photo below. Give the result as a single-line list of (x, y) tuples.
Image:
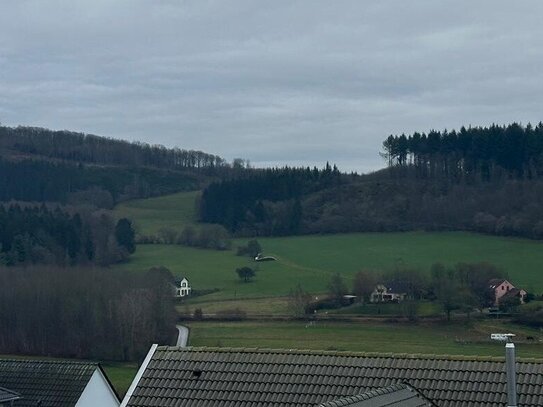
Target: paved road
[(183, 337)]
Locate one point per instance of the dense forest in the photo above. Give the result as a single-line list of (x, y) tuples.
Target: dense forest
[(88, 148), (475, 152), (41, 165), (264, 201), (39, 235), (46, 181), (476, 179), (84, 313), (41, 169)]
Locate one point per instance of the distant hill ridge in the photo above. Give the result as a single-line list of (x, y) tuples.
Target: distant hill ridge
[(89, 148), (42, 165), (485, 179)]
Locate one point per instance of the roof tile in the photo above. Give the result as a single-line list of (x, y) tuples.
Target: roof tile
[(271, 378)]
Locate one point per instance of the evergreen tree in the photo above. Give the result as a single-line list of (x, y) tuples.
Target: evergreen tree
[(125, 235)]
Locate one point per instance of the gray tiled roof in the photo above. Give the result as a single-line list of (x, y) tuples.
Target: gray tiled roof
[(222, 377), (55, 383), (7, 395), (397, 395)]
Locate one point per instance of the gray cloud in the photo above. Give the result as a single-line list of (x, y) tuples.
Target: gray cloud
[(282, 82)]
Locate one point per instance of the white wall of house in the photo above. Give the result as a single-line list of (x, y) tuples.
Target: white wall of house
[(381, 294), (184, 289), (98, 392)]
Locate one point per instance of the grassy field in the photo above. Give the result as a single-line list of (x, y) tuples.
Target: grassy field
[(347, 253), (311, 260), (449, 339), (254, 306), (424, 309), (120, 375), (152, 214)]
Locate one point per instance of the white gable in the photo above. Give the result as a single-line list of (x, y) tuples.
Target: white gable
[(98, 392)]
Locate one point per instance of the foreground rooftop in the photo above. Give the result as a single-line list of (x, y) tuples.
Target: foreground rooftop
[(227, 377)]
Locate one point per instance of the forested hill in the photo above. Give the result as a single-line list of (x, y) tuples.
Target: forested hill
[(88, 148), (512, 151), (41, 165), (477, 179)]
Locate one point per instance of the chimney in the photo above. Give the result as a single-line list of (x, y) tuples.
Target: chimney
[(510, 366), (511, 374)]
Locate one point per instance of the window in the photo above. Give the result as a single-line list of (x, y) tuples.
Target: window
[(503, 288)]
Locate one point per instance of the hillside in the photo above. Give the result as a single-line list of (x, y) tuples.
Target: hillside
[(170, 211), (311, 260), (41, 165), (459, 181), (88, 148)]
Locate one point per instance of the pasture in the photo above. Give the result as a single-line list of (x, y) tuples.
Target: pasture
[(151, 214), (380, 337), (311, 260)]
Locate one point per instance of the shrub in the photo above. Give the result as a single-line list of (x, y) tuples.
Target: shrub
[(232, 314), (198, 314)]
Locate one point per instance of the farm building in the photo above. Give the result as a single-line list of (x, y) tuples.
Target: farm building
[(46, 383), (388, 293), (224, 377), (181, 287)]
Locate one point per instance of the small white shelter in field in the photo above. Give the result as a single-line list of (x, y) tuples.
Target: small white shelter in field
[(182, 287)]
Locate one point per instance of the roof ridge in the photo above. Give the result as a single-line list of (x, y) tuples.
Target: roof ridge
[(475, 358), (51, 361)]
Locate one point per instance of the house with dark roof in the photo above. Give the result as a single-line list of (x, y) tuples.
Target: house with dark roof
[(54, 383), (501, 288), (8, 397), (397, 395), (224, 377), (388, 293)]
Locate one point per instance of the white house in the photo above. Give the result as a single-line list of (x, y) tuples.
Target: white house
[(388, 293), (181, 287)]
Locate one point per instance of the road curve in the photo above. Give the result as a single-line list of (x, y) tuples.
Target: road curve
[(183, 337)]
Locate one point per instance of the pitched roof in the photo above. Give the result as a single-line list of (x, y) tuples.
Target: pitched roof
[(223, 377), (54, 383), (493, 283), (397, 395), (514, 292), (177, 282), (394, 288), (7, 395)]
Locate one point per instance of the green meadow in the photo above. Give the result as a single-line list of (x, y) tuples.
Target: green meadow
[(311, 260), (152, 214), (379, 337)]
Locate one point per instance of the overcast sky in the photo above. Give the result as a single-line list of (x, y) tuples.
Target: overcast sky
[(276, 82)]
